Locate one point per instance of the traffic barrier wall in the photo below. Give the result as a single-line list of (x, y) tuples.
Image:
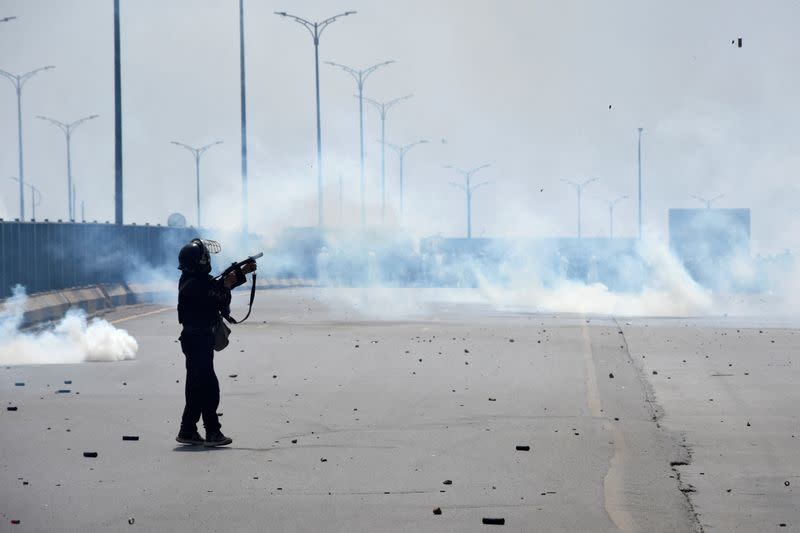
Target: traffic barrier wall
[(46, 256)]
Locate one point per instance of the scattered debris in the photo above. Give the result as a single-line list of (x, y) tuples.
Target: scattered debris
[(494, 521), (233, 375), (611, 375), (323, 460), (11, 408), (67, 382), (131, 520), (437, 511), (523, 448), (786, 483), (130, 437), (19, 384), (63, 391), (447, 482), (492, 399), (90, 454)]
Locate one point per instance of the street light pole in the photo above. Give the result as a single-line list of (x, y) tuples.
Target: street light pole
[(402, 150), (34, 193), (19, 81), (579, 189), (242, 85), (709, 201), (360, 76), (197, 153), (611, 206), (383, 108), (468, 189), (316, 29), (68, 128), (639, 157)]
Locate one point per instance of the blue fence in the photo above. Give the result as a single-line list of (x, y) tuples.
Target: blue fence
[(45, 256)]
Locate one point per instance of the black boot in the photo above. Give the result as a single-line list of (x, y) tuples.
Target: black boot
[(216, 438), (190, 437)]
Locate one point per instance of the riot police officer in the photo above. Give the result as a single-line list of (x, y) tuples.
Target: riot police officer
[(202, 299)]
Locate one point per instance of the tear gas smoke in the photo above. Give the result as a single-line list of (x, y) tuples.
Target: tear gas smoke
[(72, 340)]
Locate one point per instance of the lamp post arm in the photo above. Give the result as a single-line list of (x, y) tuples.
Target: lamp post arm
[(477, 185), (23, 79), (328, 21), (454, 184), (62, 126)]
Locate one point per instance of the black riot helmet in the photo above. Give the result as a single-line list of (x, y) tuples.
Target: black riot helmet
[(194, 258)]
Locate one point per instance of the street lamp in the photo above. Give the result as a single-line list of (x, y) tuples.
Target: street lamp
[(611, 205), (34, 193), (19, 81), (707, 202), (401, 152), (639, 154), (197, 153), (383, 108), (68, 128), (316, 29), (361, 76), (468, 189), (579, 189)]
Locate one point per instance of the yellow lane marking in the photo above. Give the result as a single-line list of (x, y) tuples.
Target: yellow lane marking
[(614, 481), (157, 311)]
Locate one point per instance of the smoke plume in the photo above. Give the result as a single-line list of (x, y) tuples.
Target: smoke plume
[(74, 339)]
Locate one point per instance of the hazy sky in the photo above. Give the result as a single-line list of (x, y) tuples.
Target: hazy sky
[(524, 85)]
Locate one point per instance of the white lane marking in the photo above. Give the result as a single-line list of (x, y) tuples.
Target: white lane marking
[(119, 320)]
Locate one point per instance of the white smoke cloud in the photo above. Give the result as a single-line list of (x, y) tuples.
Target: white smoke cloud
[(72, 340)]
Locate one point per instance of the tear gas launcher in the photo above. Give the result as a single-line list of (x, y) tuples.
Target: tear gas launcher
[(237, 267)]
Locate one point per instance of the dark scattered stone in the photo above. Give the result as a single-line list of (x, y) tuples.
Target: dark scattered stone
[(67, 382), (294, 441), (323, 460), (15, 522), (748, 424), (786, 483), (131, 520), (130, 437), (90, 454), (447, 482), (437, 511), (781, 525), (616, 419), (494, 521), (11, 408), (523, 448), (611, 375), (510, 340), (63, 391), (466, 351), (492, 399), (233, 375), (655, 372), (19, 384)]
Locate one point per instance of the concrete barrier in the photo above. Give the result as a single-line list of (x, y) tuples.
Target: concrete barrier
[(50, 306)]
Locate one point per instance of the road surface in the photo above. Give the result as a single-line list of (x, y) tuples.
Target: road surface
[(354, 417)]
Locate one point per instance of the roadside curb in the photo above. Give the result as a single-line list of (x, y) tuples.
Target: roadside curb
[(49, 306)]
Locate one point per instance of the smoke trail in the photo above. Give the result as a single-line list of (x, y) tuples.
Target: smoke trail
[(71, 340)]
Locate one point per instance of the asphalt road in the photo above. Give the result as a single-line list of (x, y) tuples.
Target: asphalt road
[(346, 422)]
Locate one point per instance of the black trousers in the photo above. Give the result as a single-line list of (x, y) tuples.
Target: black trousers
[(202, 386)]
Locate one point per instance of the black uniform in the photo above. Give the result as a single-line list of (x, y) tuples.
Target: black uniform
[(201, 300)]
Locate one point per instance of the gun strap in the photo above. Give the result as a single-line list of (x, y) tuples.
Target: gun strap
[(250, 309)]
